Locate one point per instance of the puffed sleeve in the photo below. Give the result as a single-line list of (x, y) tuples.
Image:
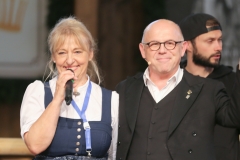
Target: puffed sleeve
[(32, 105), (114, 111)]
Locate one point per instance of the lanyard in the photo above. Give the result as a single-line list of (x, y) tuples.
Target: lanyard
[(81, 113)]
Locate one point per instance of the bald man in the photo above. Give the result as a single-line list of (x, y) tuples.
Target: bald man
[(166, 113)]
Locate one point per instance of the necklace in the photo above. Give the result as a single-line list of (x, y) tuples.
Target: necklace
[(75, 93)]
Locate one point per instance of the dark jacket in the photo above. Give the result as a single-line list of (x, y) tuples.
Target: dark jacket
[(207, 105), (226, 140)]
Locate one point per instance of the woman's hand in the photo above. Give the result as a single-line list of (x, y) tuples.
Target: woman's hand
[(63, 77)]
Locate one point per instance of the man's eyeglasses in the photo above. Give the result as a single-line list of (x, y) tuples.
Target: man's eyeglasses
[(169, 45)]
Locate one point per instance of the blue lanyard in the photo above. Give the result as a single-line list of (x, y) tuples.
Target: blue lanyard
[(81, 113)]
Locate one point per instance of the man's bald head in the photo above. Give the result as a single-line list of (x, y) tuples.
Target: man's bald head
[(162, 24)]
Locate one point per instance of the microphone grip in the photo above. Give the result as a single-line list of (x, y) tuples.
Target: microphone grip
[(68, 91)]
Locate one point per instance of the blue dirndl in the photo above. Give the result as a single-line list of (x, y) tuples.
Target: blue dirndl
[(69, 139)]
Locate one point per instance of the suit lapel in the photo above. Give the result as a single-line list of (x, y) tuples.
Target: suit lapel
[(188, 90), (133, 96)]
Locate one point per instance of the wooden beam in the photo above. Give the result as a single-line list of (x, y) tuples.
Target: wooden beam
[(87, 12), (13, 147)]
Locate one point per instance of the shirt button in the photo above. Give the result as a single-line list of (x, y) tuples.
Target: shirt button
[(77, 143), (77, 149), (79, 123), (156, 108), (190, 151), (76, 154), (150, 137), (119, 126), (153, 122), (79, 129), (148, 153), (78, 136), (194, 134)]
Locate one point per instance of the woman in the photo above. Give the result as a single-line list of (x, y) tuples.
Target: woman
[(87, 127)]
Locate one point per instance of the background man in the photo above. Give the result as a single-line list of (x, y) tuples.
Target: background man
[(203, 34), (167, 113)]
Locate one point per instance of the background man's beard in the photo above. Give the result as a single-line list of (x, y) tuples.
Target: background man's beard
[(200, 60)]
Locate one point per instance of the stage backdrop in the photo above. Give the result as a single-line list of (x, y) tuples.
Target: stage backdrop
[(22, 38)]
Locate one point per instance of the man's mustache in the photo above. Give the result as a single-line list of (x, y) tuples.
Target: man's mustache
[(216, 54)]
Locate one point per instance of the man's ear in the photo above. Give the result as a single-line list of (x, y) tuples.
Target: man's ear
[(141, 48), (184, 48), (189, 46)]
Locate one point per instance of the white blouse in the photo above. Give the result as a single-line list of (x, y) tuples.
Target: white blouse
[(33, 106)]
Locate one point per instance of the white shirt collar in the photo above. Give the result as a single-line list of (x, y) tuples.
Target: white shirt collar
[(177, 76)]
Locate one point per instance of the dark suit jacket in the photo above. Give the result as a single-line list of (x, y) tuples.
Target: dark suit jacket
[(226, 140), (190, 133)]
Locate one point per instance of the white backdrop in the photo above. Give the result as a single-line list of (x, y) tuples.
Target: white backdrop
[(23, 52)]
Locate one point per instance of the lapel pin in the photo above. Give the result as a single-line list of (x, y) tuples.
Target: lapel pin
[(188, 94)]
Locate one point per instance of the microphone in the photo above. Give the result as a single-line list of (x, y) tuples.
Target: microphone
[(148, 62), (69, 90)]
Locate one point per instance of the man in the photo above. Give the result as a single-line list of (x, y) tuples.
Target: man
[(167, 113), (203, 34)]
